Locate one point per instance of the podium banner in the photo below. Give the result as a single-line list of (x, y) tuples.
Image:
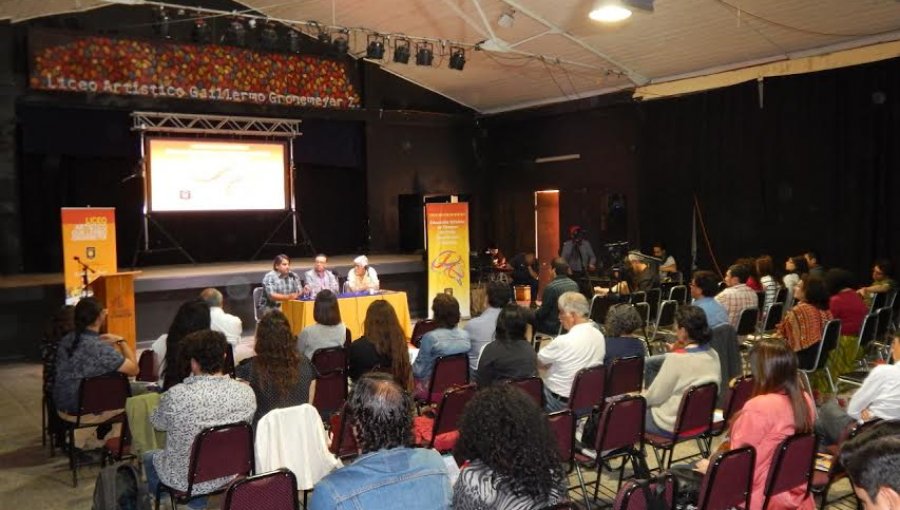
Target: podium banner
[(447, 226), (89, 236)]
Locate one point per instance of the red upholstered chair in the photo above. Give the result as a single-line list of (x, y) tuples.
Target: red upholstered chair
[(147, 367), (738, 395), (728, 480), (625, 375), (631, 496), (562, 424), (620, 434), (695, 415), (217, 452), (329, 360), (792, 466), (330, 393), (533, 386), (448, 371), (587, 390), (419, 330), (441, 432), (275, 490), (343, 442)]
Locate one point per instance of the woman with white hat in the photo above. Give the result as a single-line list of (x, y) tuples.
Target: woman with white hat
[(362, 277)]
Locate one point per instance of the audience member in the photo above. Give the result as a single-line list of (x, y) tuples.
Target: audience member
[(582, 346), (764, 268), (641, 278), (872, 461), (882, 280), (738, 295), (328, 331), (622, 325), (279, 375), (445, 340), (498, 259), (667, 265), (526, 472), (382, 347), (191, 316), (752, 277), (509, 356), (695, 363), (878, 397), (815, 267), (481, 328), (280, 284), (205, 399), (225, 323), (362, 276), (704, 285), (526, 272), (319, 278), (778, 409), (847, 306), (803, 324), (389, 472), (795, 268), (578, 253), (547, 315)]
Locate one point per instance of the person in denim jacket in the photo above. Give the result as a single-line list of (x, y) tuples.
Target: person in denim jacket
[(389, 473), (447, 339)]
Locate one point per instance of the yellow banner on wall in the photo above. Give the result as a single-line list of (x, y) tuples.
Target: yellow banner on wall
[(447, 226), (89, 244)]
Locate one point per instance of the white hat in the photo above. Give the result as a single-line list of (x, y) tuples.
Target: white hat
[(362, 260)]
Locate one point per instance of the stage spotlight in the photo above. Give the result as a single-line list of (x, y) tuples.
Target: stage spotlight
[(236, 33), (161, 26), (375, 47), (340, 42), (294, 41), (457, 58), (268, 37), (321, 32), (424, 53), (401, 51), (201, 33)]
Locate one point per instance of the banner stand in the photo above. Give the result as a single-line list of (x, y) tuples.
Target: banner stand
[(447, 227)]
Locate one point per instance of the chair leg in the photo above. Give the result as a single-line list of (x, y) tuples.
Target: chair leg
[(830, 381), (73, 462), (583, 487), (45, 429)]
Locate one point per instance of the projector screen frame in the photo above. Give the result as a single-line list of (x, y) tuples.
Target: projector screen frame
[(287, 173)]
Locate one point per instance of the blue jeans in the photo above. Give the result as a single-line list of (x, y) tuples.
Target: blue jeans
[(551, 403), (153, 482), (650, 426)]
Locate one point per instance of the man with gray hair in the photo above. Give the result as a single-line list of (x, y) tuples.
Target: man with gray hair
[(582, 346), (225, 323)]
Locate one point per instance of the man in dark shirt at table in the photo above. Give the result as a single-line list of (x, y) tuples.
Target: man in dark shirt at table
[(525, 272), (547, 316)]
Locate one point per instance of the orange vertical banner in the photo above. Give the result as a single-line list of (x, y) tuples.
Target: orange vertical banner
[(89, 236), (448, 251)]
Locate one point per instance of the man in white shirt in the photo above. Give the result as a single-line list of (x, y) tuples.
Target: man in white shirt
[(668, 265), (225, 323), (362, 276), (878, 397), (582, 346)]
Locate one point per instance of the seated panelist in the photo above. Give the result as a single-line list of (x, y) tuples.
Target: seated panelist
[(362, 277)]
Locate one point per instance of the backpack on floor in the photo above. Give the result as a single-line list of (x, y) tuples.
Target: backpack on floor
[(119, 487)]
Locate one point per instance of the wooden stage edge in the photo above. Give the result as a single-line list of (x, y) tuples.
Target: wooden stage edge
[(192, 276)]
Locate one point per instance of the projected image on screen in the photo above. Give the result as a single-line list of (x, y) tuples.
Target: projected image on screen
[(190, 175)]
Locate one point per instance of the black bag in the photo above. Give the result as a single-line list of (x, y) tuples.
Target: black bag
[(119, 487), (654, 491), (689, 481)]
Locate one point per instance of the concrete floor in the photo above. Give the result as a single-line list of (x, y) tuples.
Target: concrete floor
[(31, 478)]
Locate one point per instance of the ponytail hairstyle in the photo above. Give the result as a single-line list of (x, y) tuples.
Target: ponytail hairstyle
[(87, 311), (774, 368)]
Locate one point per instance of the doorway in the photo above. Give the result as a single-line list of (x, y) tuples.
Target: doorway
[(546, 232)]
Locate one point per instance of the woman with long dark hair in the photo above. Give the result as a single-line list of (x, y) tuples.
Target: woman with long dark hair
[(447, 339), (191, 316), (279, 375), (512, 461), (779, 408), (509, 356), (803, 324), (795, 267), (382, 347)]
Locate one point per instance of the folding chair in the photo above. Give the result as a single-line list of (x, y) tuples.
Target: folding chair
[(562, 424), (599, 307), (632, 497), (228, 365), (330, 393), (815, 357), (747, 322), (443, 431), (879, 299), (679, 294), (737, 395), (728, 480), (643, 309), (665, 320), (275, 490), (637, 297), (533, 386), (772, 318), (96, 396), (654, 298), (257, 298), (760, 300), (620, 434), (695, 416), (863, 342), (792, 466), (343, 442), (448, 371), (147, 367), (329, 360), (781, 295), (625, 375), (587, 391), (217, 452), (822, 481), (420, 329), (881, 331)]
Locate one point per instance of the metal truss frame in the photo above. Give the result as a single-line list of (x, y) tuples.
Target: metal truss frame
[(187, 123)]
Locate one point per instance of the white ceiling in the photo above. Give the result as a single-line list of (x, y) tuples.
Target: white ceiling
[(581, 57)]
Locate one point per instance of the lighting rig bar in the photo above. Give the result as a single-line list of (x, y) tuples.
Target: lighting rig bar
[(157, 122)]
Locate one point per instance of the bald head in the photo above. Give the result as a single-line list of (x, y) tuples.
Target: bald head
[(380, 412), (212, 297)]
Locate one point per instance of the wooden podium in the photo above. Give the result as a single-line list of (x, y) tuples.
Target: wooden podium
[(115, 291)]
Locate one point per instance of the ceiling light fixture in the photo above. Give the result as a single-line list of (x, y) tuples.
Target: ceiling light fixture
[(268, 36), (457, 58), (610, 11), (294, 41), (161, 25), (340, 42), (375, 47), (424, 53), (236, 33), (507, 19), (201, 33), (401, 50)]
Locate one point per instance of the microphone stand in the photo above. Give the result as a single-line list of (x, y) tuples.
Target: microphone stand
[(84, 275)]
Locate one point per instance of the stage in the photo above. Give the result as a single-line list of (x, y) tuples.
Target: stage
[(30, 300)]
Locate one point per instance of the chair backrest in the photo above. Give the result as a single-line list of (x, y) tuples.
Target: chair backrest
[(868, 330), (533, 386), (666, 315), (348, 338), (781, 295), (450, 410), (587, 389), (228, 366), (343, 442), (654, 297), (448, 371), (599, 307), (738, 395), (761, 299), (773, 316), (631, 496), (147, 367), (562, 424), (419, 330), (330, 393), (695, 412), (678, 294), (747, 321), (221, 451), (625, 375), (792, 466), (884, 323), (101, 393), (638, 297), (621, 424), (275, 490), (830, 336), (808, 358), (330, 360), (879, 299), (257, 298), (643, 309), (728, 480)]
